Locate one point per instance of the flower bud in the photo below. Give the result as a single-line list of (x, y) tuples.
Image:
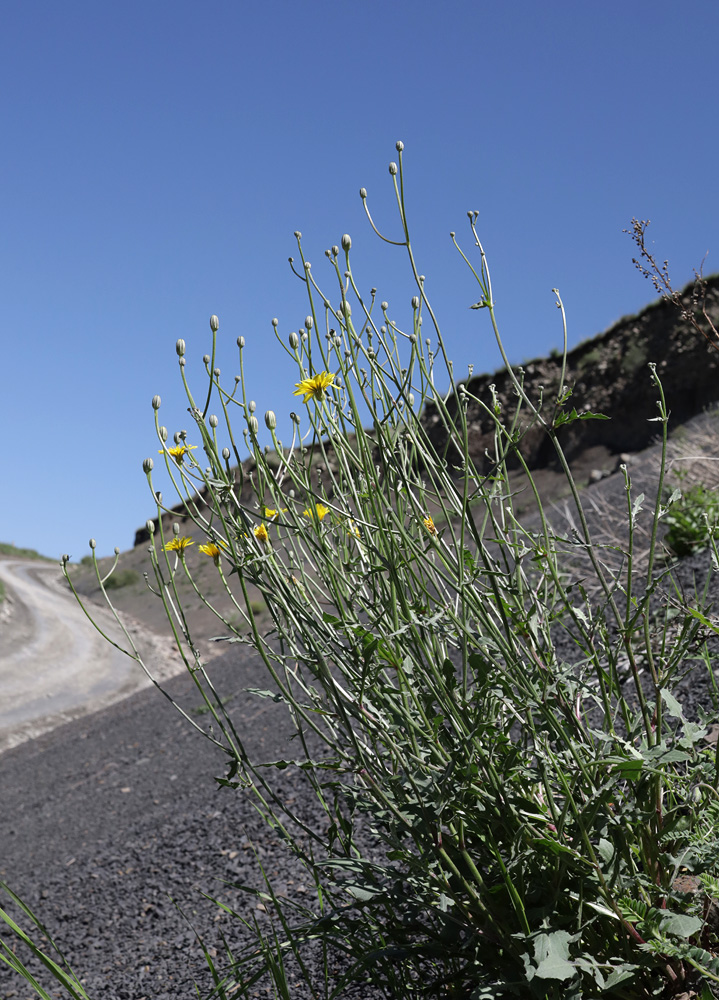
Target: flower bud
[(415, 301), (393, 168), (240, 342), (182, 362), (150, 525), (226, 454), (413, 338), (309, 322), (363, 193), (298, 234), (158, 497), (346, 308), (335, 250), (270, 420), (177, 437), (384, 306), (253, 425), (216, 372), (213, 420), (205, 359), (410, 399), (275, 322), (252, 406), (156, 402), (294, 341), (346, 242), (117, 551), (180, 347), (214, 323), (92, 543), (399, 145), (175, 528), (147, 466), (294, 418), (64, 558), (307, 265), (183, 435)]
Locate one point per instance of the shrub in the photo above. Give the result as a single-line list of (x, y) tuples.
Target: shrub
[(691, 519), (122, 578), (511, 786)]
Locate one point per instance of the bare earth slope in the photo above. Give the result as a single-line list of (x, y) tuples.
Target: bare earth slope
[(54, 665)]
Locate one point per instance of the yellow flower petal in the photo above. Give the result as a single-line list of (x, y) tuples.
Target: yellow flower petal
[(314, 387), (179, 452), (178, 544), (319, 511)]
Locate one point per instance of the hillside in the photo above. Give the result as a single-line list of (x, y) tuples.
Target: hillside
[(608, 374)]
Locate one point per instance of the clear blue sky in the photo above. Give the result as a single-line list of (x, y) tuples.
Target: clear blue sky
[(157, 157)]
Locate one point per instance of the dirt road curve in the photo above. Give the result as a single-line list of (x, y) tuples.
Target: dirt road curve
[(54, 665)]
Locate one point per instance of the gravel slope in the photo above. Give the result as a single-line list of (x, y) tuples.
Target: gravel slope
[(104, 819)]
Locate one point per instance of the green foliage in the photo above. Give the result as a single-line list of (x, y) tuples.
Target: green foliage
[(634, 358), (691, 518), (6, 549), (121, 578), (510, 786), (590, 358)]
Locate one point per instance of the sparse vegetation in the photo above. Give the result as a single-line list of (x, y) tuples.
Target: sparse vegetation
[(122, 578), (6, 549), (506, 732)]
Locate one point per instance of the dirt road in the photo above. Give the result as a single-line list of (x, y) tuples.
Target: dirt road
[(54, 665)]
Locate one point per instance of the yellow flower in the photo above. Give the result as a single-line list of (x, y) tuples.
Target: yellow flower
[(320, 511), (314, 388), (178, 544), (272, 514), (260, 533), (353, 529), (179, 452), (212, 549), (429, 525)]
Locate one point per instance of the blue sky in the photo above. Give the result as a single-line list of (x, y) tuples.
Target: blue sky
[(157, 157)]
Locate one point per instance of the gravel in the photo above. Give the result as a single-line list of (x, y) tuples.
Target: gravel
[(112, 828)]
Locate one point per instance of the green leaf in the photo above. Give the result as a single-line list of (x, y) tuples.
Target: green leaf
[(569, 418), (606, 850), (672, 705), (555, 847), (551, 951), (620, 976), (681, 924)]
